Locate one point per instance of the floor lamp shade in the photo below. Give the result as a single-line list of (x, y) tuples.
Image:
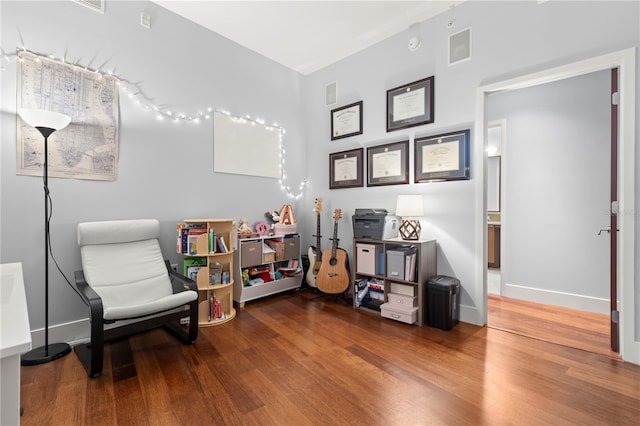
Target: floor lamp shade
[(46, 119), (408, 207), (46, 122)]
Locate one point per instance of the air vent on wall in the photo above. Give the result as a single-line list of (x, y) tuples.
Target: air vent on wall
[(97, 5), (331, 93)]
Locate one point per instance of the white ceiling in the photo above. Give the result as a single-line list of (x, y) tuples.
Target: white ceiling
[(307, 35)]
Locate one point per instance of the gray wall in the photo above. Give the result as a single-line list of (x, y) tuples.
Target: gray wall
[(165, 168), (510, 39), (185, 66)]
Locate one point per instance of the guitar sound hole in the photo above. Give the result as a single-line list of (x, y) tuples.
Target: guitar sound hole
[(333, 261)]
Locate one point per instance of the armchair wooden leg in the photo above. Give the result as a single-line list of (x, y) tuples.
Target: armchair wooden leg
[(178, 330), (91, 355), (193, 321)]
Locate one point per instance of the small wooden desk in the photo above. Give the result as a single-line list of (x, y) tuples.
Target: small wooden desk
[(15, 339)]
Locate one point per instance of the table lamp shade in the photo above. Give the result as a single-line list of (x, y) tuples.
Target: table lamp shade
[(410, 206)]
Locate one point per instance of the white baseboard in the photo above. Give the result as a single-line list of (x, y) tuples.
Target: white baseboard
[(470, 315), (557, 298), (71, 332)]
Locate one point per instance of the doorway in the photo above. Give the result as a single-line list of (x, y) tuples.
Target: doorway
[(556, 197), (630, 349)]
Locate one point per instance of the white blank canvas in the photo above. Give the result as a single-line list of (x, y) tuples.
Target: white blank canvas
[(245, 147)]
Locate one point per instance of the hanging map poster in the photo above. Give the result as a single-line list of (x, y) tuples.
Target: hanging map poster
[(88, 147)]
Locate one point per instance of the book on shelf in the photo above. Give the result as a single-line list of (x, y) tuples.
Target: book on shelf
[(221, 245), (212, 241), (410, 266), (185, 232), (193, 264), (179, 237)]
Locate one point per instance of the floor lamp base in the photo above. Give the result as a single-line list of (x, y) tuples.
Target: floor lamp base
[(41, 355)]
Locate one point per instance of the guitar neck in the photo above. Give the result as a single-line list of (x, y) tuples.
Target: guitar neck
[(318, 236), (334, 247)]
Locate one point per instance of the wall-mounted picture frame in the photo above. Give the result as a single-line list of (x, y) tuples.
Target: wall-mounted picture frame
[(388, 164), (442, 157), (346, 121), (411, 104), (346, 169)]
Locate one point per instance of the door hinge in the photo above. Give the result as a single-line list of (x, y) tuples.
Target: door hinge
[(615, 317), (615, 98), (615, 207)]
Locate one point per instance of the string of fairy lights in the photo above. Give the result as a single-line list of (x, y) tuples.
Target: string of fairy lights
[(166, 113)]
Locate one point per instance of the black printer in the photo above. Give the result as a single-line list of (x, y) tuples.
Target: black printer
[(376, 224)]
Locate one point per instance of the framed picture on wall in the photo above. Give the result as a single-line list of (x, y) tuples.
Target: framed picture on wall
[(346, 121), (410, 105), (388, 164), (442, 157), (345, 169)]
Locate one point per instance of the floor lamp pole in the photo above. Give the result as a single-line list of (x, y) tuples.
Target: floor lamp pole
[(54, 351)]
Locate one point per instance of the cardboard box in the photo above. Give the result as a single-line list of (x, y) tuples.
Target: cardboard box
[(404, 289), (268, 254), (366, 258), (278, 247), (402, 313), (400, 299)]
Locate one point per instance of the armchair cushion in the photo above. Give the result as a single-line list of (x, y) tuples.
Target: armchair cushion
[(122, 262)]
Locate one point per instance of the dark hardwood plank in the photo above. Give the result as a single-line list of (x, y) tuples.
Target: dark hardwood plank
[(296, 361)]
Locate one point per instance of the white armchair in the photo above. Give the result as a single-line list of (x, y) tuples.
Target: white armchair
[(125, 277)]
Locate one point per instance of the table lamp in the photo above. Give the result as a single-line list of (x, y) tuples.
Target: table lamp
[(410, 207)]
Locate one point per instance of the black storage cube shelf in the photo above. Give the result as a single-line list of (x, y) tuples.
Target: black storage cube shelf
[(443, 302)]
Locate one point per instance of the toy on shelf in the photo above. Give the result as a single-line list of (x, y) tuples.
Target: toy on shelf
[(262, 228), (286, 221)]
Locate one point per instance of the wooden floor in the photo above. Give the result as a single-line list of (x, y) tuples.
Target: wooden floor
[(289, 360), (569, 327)]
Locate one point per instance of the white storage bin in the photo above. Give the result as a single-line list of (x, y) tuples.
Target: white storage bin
[(402, 313), (406, 290), (400, 299), (366, 258)]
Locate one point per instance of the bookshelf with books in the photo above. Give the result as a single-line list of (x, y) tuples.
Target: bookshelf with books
[(393, 271), (266, 265), (208, 247)]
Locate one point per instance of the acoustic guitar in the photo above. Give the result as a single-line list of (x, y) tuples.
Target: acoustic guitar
[(315, 252), (333, 276)]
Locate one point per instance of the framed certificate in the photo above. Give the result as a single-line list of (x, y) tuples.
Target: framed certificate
[(442, 157), (410, 105), (345, 169), (346, 121), (388, 164)]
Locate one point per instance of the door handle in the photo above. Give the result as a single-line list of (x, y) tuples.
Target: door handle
[(607, 230)]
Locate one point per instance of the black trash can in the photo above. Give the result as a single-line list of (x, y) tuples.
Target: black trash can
[(443, 302)]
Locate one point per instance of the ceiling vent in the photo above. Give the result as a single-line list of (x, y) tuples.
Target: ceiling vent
[(97, 5)]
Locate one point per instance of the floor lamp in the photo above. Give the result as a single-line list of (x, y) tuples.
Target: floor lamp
[(46, 122)]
